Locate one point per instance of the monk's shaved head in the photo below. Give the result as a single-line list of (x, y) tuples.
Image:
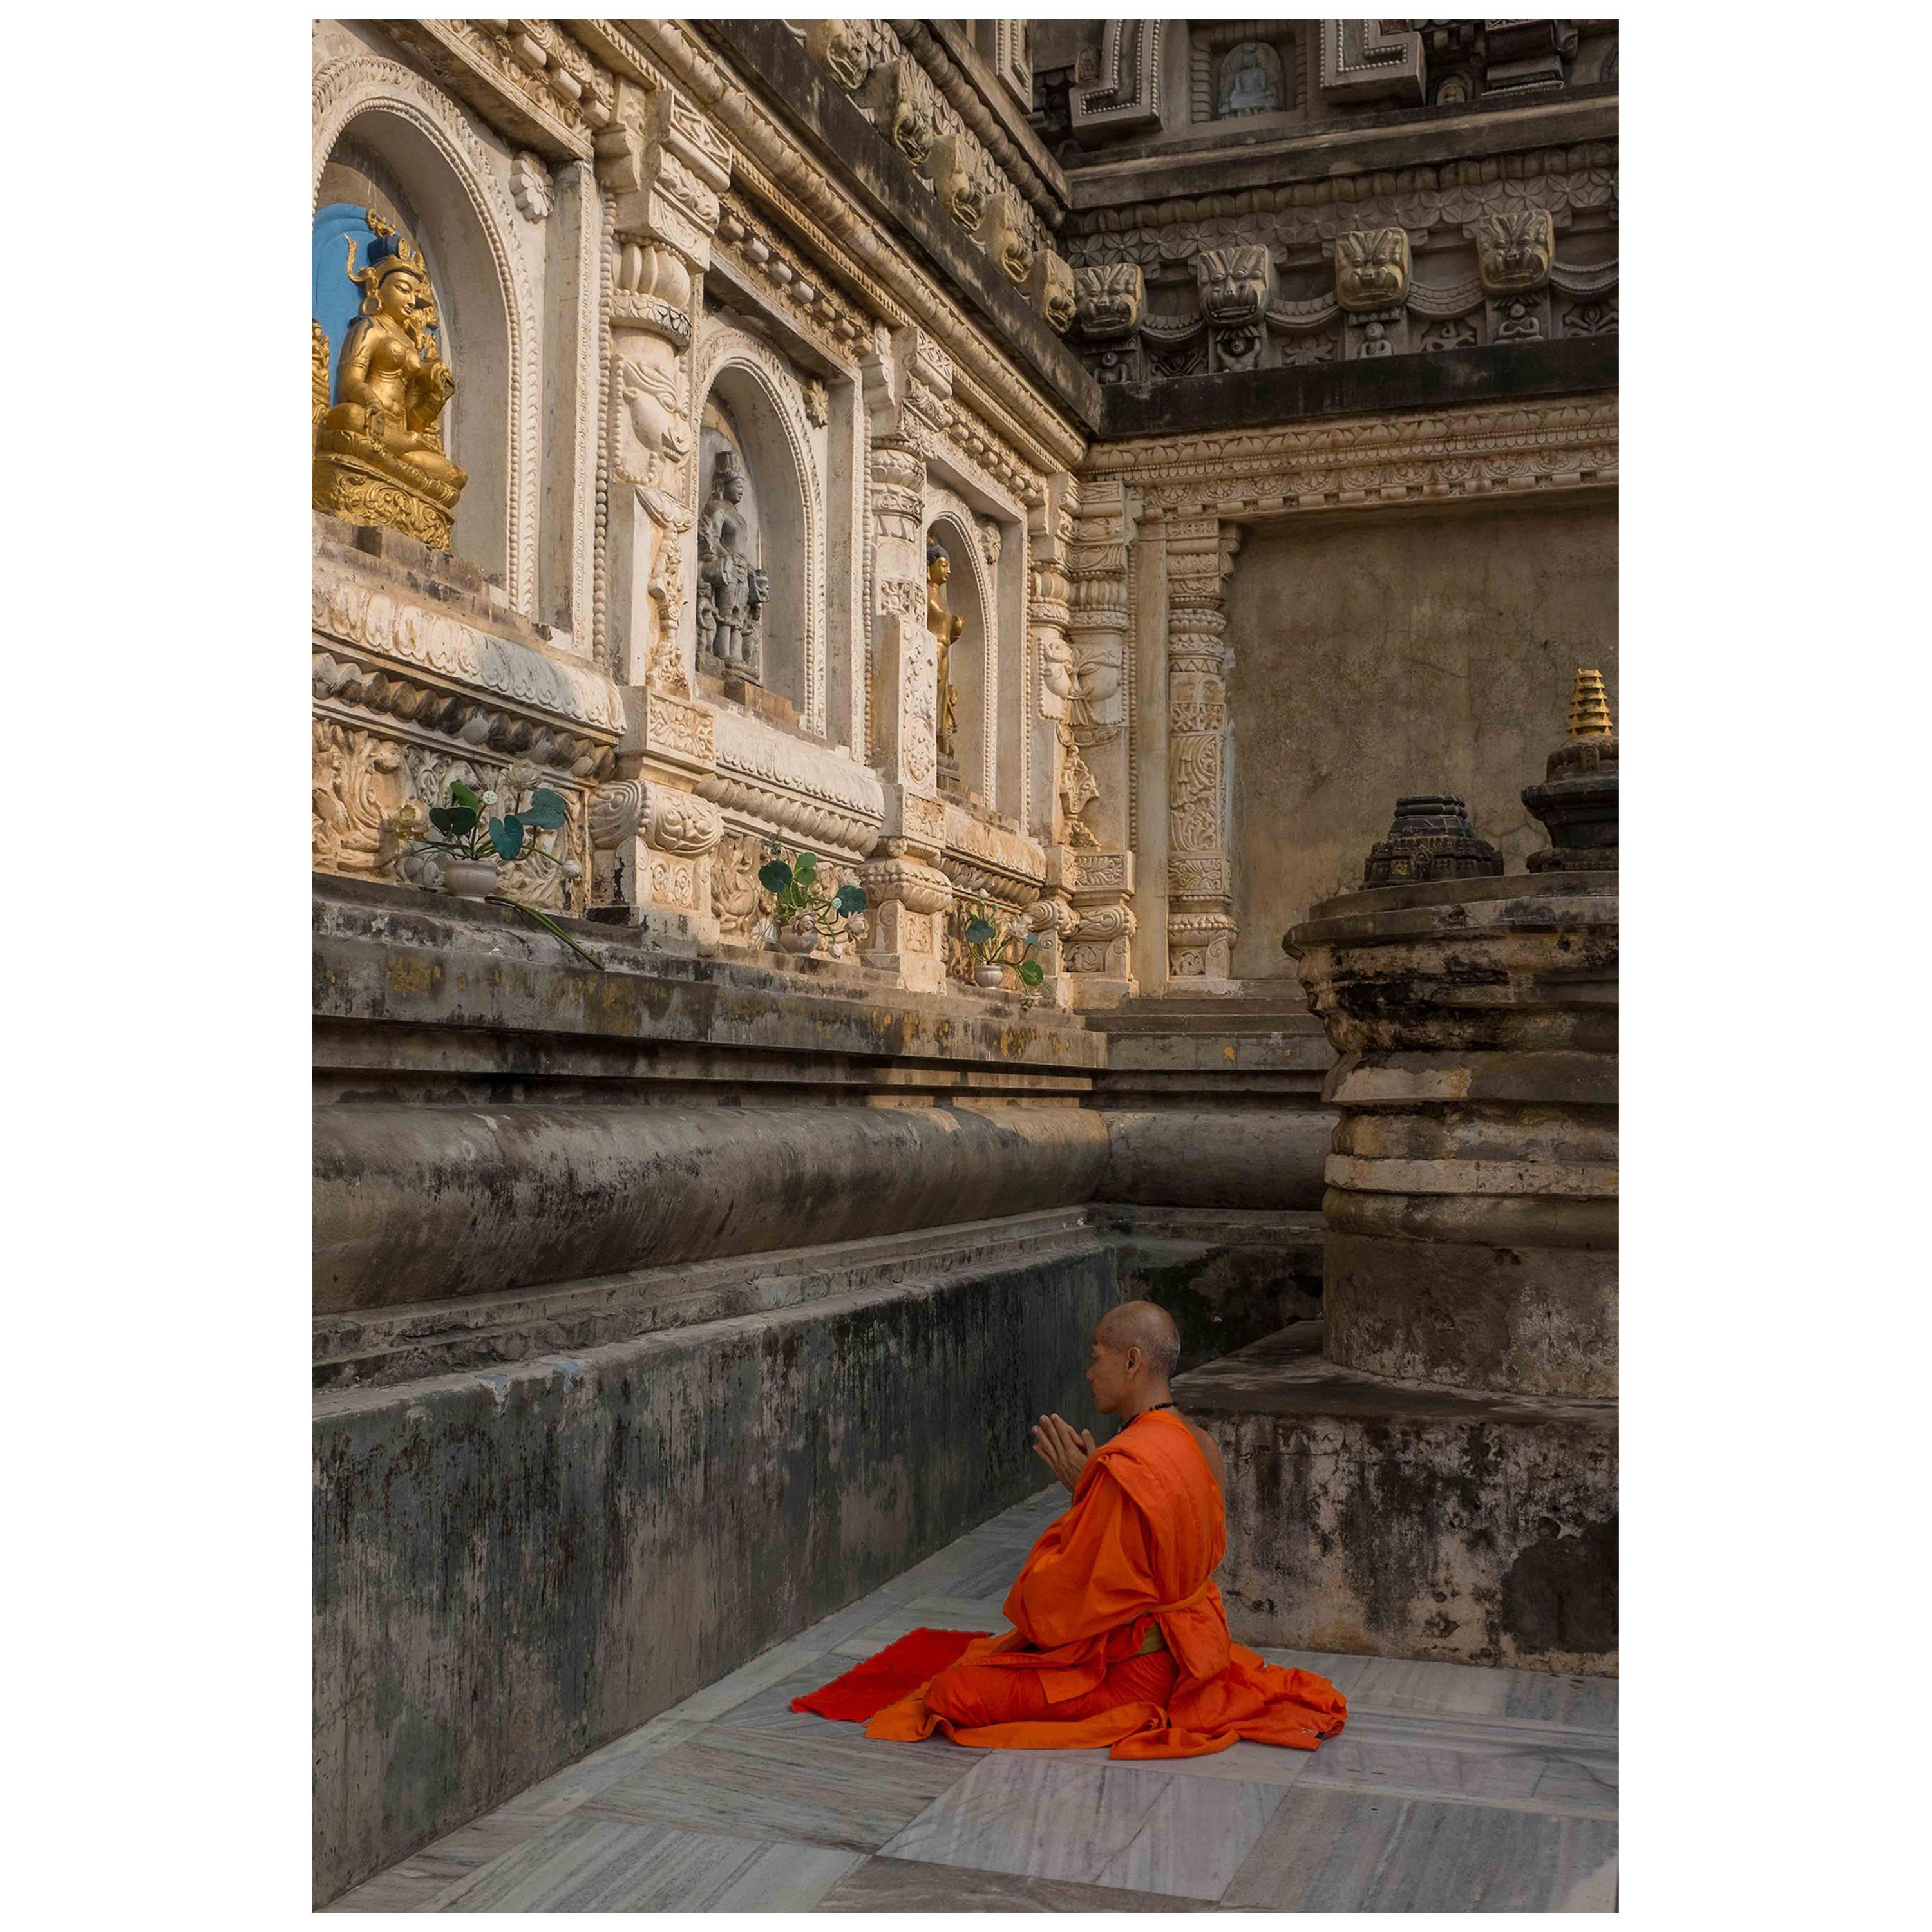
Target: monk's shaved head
[(1146, 1327)]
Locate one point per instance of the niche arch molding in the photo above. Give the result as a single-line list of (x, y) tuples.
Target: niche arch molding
[(361, 92), (755, 373)]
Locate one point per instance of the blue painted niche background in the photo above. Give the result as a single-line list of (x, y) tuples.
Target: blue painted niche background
[(337, 300)]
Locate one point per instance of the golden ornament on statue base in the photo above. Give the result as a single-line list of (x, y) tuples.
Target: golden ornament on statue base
[(379, 454)]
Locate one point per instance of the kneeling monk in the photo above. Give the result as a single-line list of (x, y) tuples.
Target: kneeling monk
[(1118, 1636)]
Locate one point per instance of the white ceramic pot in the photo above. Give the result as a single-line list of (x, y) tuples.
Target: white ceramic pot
[(798, 935), (989, 975), (470, 878)]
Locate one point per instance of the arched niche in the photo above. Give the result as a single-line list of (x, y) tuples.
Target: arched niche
[(975, 668), (380, 128), (749, 405)]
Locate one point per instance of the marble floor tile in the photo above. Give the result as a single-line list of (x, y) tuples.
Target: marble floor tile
[(1343, 1672), (822, 1789), (1037, 1814), (784, 1659), (1401, 1686), (601, 1864), (1247, 1763), (1044, 1815), (1337, 1851), (1527, 1767), (566, 1789), (1194, 1837), (904, 1885), (414, 1885)]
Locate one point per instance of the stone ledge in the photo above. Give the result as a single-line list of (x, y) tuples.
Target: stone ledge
[(392, 954)]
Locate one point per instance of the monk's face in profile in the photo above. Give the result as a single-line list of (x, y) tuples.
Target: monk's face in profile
[(1110, 1374)]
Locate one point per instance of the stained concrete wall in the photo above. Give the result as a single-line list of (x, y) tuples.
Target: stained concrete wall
[(1399, 652), (512, 1566)]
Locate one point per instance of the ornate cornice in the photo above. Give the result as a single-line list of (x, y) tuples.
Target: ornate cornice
[(1564, 180), (771, 168), (1485, 450)]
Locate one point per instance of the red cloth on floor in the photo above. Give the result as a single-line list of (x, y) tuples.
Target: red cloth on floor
[(897, 1670)]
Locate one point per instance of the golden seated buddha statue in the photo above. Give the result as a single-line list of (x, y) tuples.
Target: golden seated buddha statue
[(379, 454)]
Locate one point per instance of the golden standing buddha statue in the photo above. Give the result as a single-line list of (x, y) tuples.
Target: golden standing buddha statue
[(379, 454), (946, 627)]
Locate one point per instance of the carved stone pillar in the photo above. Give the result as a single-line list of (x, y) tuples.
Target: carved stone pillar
[(1200, 882), (908, 386), (1049, 529), (663, 169), (1093, 775), (651, 850)]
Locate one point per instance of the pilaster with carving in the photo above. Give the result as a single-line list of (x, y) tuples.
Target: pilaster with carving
[(651, 848), (1200, 883), (908, 385), (663, 169)]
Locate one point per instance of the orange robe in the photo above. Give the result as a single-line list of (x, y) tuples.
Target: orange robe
[(1136, 1551)]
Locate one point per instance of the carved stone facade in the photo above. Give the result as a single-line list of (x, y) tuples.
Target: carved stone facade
[(693, 584)]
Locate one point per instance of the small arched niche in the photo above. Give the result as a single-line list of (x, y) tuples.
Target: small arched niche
[(754, 581), (384, 162), (969, 775)]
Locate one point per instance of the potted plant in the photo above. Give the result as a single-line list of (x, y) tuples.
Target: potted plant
[(477, 845), (802, 912), (992, 944)]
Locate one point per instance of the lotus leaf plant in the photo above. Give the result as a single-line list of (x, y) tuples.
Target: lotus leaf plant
[(793, 882), (990, 941), (469, 831)]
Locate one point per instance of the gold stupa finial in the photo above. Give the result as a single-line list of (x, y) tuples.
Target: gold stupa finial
[(1590, 707)]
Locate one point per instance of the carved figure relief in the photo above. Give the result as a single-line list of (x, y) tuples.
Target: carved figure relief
[(1371, 268), (379, 453), (840, 47), (1514, 251), (1250, 80), (962, 191), (359, 785), (946, 627), (732, 589)]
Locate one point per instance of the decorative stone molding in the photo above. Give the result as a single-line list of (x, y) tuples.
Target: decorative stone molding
[(440, 651), (362, 778), (1120, 95), (1096, 945), (530, 79), (907, 901), (1200, 924), (1045, 197), (770, 782), (1438, 456), (361, 84), (959, 181), (531, 187), (1368, 60), (1444, 198), (783, 277), (649, 843)]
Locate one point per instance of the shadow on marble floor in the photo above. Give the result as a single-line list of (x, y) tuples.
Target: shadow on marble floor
[(1452, 1789)]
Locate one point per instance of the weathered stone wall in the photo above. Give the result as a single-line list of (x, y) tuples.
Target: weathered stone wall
[(512, 1566), (1365, 1516), (1401, 651)]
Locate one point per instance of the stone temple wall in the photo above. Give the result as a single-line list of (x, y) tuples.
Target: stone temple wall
[(672, 1290), (1380, 655)]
